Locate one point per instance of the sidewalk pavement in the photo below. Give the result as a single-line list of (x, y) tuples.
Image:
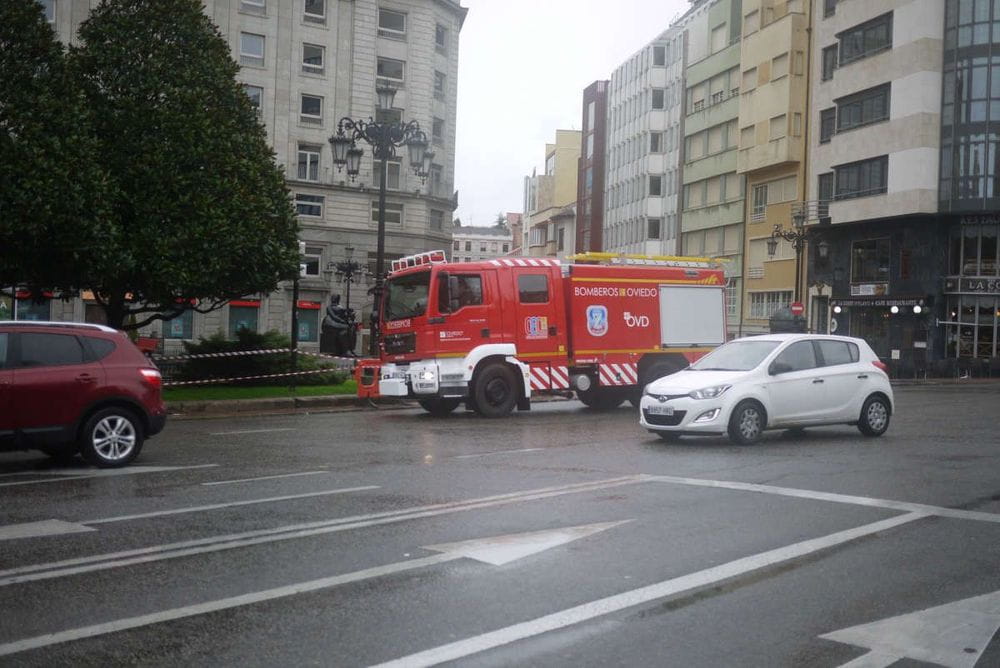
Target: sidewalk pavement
[(184, 410)]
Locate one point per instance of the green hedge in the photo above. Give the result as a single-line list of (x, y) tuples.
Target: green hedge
[(254, 365)]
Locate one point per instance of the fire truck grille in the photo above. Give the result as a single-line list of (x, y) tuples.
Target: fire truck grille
[(665, 420), (400, 344)]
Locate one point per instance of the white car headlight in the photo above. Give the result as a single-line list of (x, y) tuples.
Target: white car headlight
[(709, 392)]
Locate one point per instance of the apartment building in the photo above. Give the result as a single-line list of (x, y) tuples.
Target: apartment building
[(876, 156), (306, 64), (470, 243), (771, 134), (644, 118), (549, 228), (712, 218), (590, 175)]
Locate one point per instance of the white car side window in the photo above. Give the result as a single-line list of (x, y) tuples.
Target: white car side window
[(799, 356)]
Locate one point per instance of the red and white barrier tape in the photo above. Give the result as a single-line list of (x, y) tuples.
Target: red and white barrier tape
[(230, 380), (243, 353)]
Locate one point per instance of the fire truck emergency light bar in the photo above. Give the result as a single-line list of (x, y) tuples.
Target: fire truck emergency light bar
[(644, 260), (430, 257)]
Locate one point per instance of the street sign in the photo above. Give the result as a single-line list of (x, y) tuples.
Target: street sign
[(796, 308)]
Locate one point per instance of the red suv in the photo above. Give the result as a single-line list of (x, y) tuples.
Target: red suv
[(74, 387)]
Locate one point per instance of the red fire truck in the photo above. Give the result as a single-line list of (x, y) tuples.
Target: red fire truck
[(494, 333)]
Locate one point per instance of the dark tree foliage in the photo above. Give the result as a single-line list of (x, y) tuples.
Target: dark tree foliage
[(52, 190), (199, 209)]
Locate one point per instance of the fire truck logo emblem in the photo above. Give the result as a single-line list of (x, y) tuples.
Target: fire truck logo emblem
[(536, 326), (597, 320)]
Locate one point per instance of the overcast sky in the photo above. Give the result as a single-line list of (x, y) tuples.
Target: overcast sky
[(522, 68)]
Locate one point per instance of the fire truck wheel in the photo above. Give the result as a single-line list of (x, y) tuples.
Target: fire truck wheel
[(601, 398), (495, 391), (439, 406)]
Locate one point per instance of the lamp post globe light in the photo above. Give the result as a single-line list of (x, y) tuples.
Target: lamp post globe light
[(348, 271), (798, 236), (384, 138)]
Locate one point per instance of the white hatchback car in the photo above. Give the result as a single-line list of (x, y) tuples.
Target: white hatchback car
[(776, 381)]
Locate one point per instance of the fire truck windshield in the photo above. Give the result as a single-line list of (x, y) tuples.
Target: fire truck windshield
[(406, 296)]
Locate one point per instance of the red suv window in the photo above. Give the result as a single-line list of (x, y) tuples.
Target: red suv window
[(50, 350)]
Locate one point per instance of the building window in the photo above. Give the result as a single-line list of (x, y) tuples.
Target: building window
[(764, 304), (243, 318), (655, 142), (391, 24), (309, 205), (468, 246), (659, 56), (256, 95), (561, 240), (315, 11), (437, 181), (308, 165), (393, 168), (312, 109), (313, 58), (862, 178), (308, 321), (456, 245), (482, 246), (391, 69), (870, 261), (718, 37), (759, 201), (49, 9), (657, 98), (505, 248), (779, 66), (254, 6), (251, 49), (825, 187), (29, 309), (655, 186), (437, 221), (653, 228), (393, 212), (180, 327), (779, 125), (829, 8), (441, 39), (439, 85), (827, 124), (869, 106), (437, 131), (866, 39), (973, 250), (311, 261), (829, 62)]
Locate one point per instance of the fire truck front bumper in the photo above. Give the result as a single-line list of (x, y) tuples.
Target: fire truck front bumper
[(425, 378)]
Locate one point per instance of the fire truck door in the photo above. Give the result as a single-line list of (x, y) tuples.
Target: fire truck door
[(540, 321), (473, 317)]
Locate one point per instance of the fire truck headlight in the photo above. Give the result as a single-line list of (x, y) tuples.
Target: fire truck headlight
[(709, 392), (426, 374)]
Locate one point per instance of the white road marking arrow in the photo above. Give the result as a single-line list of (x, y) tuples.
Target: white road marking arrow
[(504, 549), (952, 635), (494, 550)]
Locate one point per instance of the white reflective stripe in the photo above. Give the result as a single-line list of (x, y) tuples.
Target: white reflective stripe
[(520, 263), (560, 377), (619, 374), (605, 375), (509, 263), (630, 373), (539, 378), (495, 263), (533, 263)]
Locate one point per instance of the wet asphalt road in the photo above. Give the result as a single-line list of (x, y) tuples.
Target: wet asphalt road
[(302, 540)]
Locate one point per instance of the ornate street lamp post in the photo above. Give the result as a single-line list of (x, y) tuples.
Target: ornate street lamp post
[(348, 271), (797, 236), (384, 138)]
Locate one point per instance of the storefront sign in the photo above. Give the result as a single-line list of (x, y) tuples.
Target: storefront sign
[(981, 286), (979, 220), (879, 301)]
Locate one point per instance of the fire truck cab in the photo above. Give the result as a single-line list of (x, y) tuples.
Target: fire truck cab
[(492, 334)]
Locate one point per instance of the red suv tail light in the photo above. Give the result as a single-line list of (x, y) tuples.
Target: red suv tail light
[(881, 366), (152, 377)]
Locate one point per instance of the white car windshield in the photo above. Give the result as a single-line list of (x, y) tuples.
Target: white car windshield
[(735, 356)]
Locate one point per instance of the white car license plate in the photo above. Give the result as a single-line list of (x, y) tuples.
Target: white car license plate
[(661, 410)]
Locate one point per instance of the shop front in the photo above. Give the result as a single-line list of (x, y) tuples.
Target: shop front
[(972, 290), (898, 328)]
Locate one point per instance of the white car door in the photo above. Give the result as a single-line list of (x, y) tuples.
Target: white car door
[(795, 386), (844, 381)]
